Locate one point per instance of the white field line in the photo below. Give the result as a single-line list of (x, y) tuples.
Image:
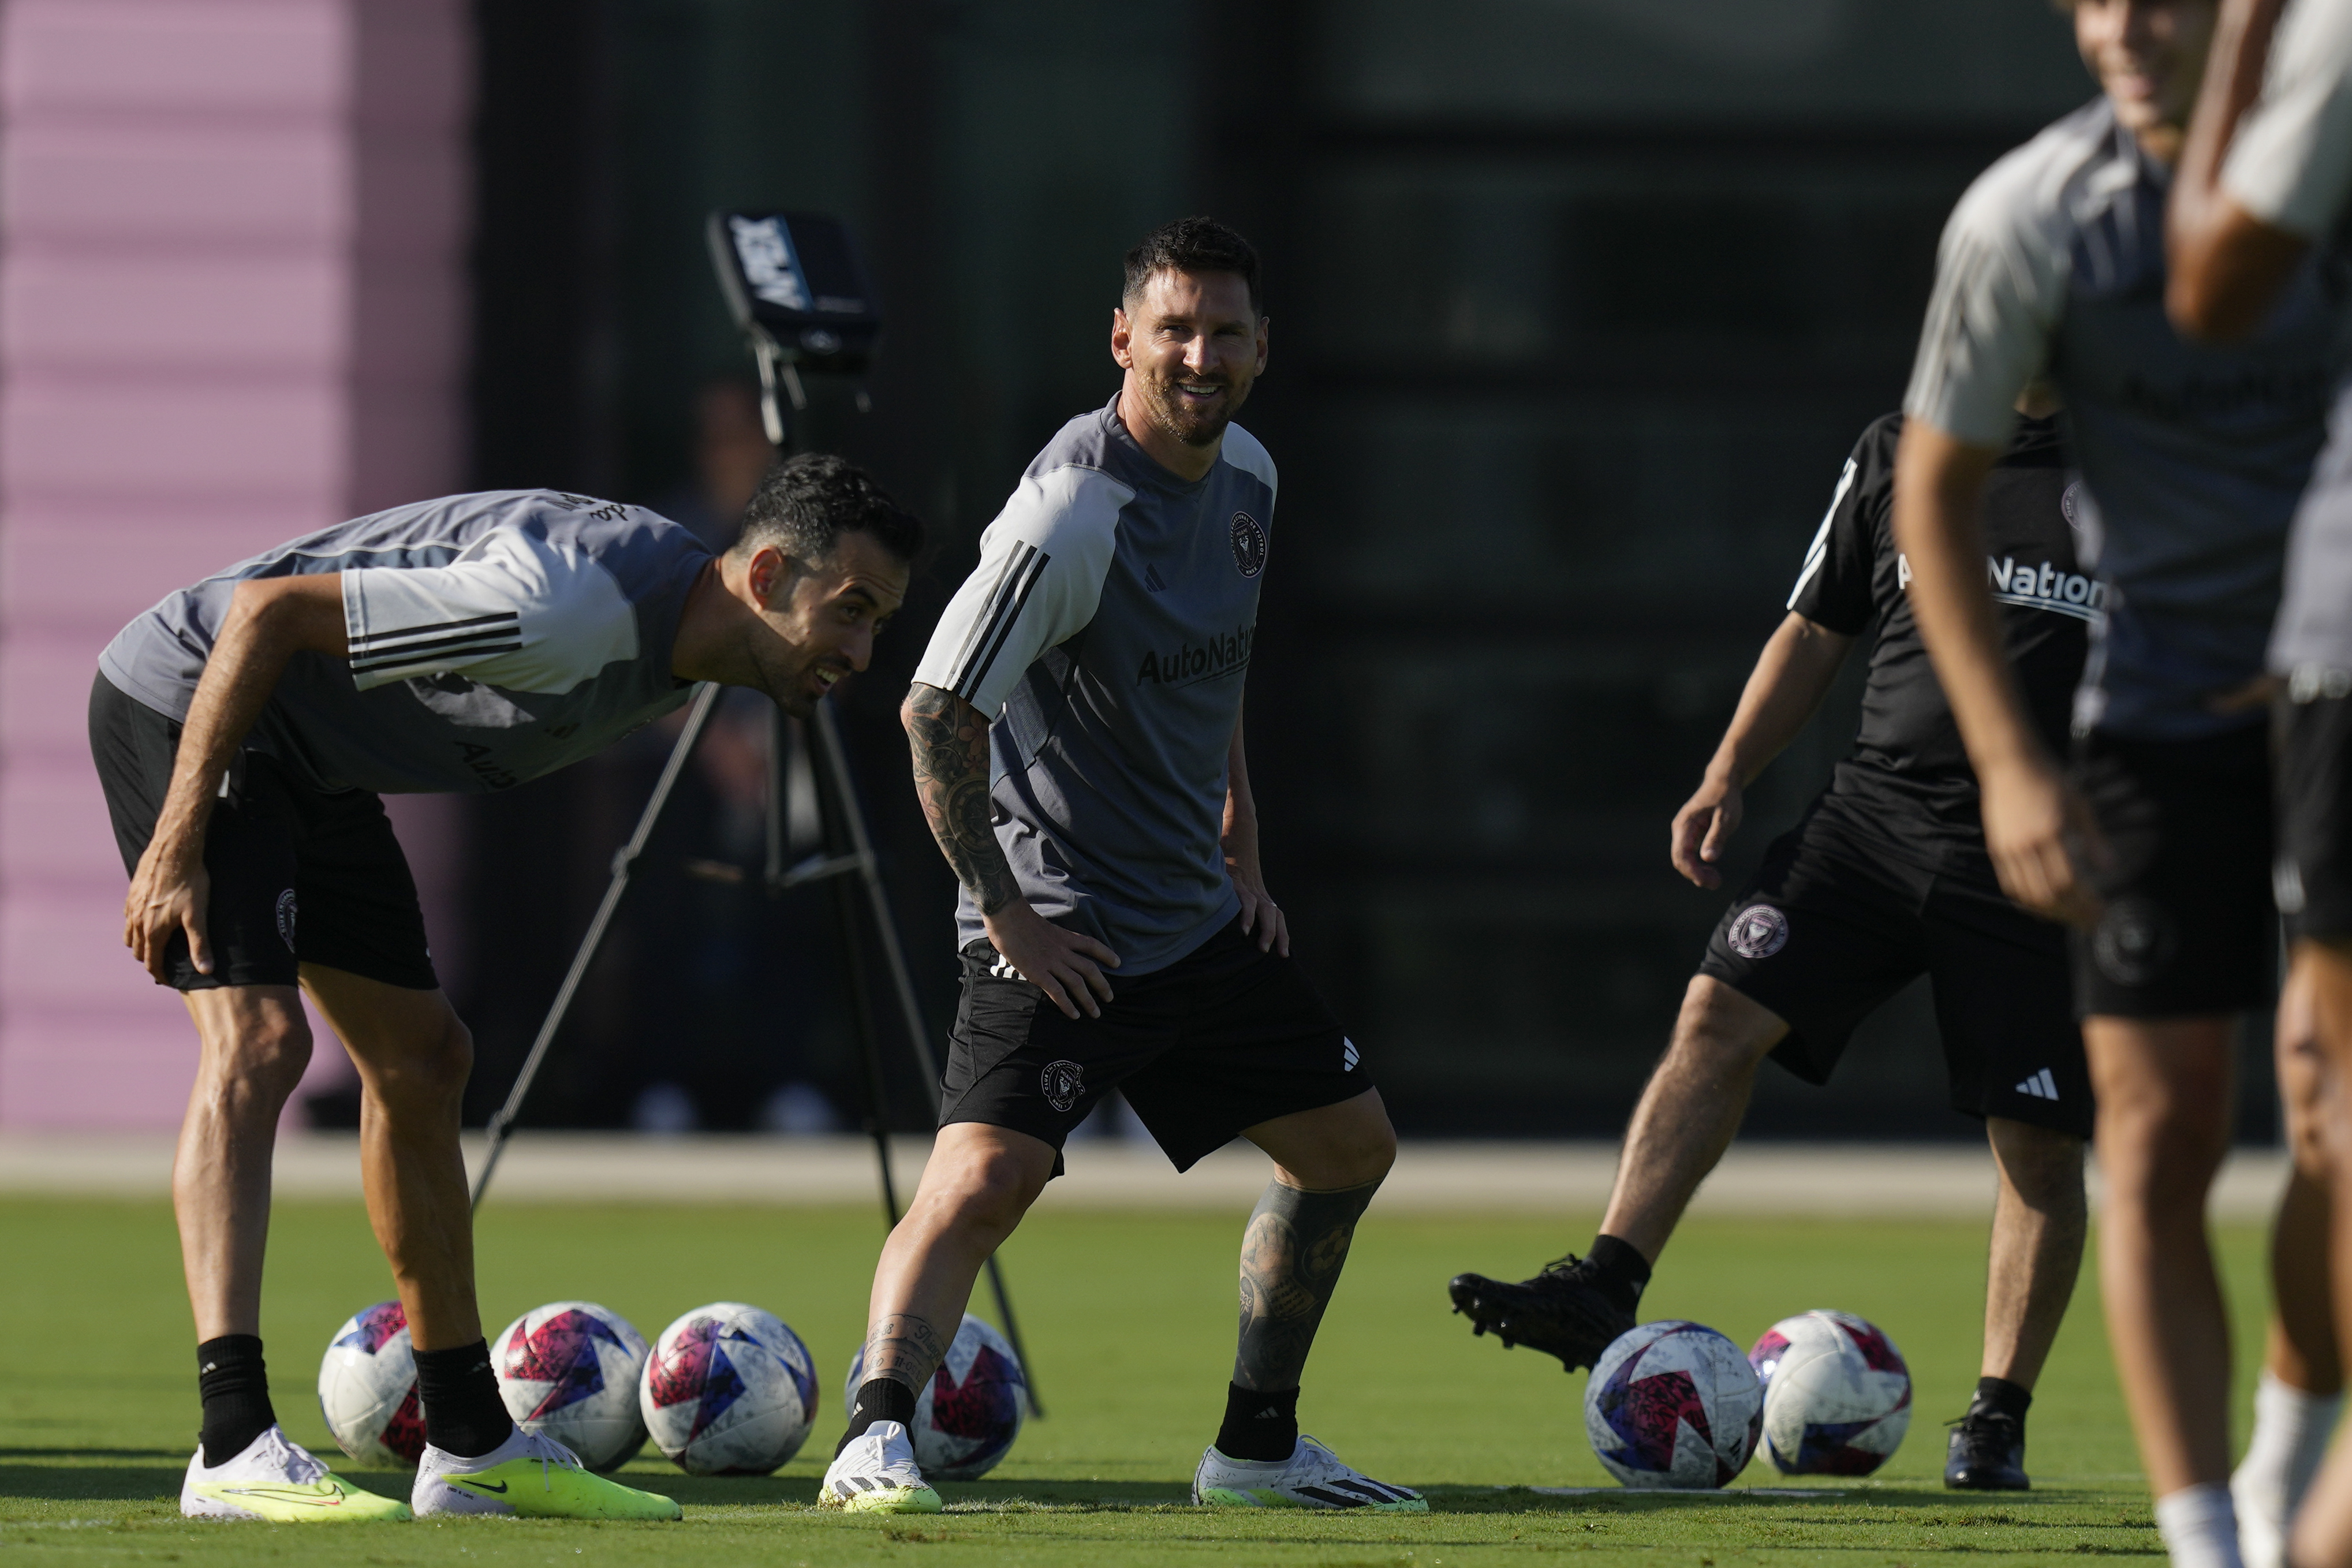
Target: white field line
[(1566, 1179)]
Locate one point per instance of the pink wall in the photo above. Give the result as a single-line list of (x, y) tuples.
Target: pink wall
[(232, 309)]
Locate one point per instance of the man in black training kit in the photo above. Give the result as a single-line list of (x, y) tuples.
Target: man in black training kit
[(244, 729), (1077, 724), (1885, 878)]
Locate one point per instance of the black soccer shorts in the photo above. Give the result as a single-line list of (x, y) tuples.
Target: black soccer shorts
[(298, 876), (1830, 929), (2313, 877), (1222, 1039), (2190, 920)]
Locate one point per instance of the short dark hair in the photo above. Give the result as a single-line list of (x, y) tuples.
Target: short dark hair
[(806, 503), (1194, 245)]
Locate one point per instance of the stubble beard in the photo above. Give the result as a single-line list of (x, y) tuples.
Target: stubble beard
[(1193, 429)]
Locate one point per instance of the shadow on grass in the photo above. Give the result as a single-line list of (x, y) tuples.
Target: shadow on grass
[(177, 1456), (90, 1483)]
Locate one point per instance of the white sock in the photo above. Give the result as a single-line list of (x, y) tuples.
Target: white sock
[(2200, 1528), (2291, 1432)]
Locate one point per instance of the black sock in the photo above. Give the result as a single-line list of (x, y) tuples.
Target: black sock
[(464, 1413), (1259, 1425), (1619, 1271), (878, 1399), (236, 1388), (1999, 1396)]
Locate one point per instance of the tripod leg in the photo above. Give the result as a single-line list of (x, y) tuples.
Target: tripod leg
[(833, 767)]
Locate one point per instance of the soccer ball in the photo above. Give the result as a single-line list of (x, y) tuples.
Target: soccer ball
[(966, 1420), (367, 1388), (1837, 1397), (730, 1390), (1673, 1405), (569, 1371)]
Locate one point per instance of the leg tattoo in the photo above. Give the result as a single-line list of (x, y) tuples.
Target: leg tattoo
[(1291, 1257), (905, 1348)]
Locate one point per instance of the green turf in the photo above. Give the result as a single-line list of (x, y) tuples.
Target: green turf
[(1130, 1319)]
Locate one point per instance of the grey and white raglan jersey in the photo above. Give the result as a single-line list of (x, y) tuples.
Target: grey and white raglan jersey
[(2290, 166), (2193, 456), (494, 637), (1106, 633)]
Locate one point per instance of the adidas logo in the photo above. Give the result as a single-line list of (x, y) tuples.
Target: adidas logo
[(1152, 581), (1347, 1057), (2041, 1085)]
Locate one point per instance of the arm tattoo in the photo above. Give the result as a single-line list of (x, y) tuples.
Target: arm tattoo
[(904, 1348), (950, 744), (1291, 1257)]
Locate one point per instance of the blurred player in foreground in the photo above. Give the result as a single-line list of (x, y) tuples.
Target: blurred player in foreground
[(243, 730), (2267, 176), (2158, 848), (1885, 878), (1077, 725)]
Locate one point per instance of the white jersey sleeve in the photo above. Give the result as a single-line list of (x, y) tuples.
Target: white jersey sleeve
[(2290, 162), (1042, 564), (513, 610), (2001, 288)]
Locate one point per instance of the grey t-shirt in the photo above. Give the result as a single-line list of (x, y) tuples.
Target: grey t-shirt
[(2193, 456), (2290, 165), (494, 637), (1107, 634)]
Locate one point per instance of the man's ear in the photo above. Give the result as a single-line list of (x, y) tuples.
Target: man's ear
[(771, 573), (1122, 334)]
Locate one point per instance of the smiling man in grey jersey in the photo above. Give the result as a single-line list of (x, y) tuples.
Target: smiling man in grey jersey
[(2158, 848), (243, 730), (1076, 726)]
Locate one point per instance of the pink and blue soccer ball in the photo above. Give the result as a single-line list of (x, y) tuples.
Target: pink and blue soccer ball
[(1837, 1397), (367, 1388), (569, 1371), (730, 1390), (966, 1419), (1675, 1405)]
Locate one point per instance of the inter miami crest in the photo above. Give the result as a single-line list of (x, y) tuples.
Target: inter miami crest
[(1249, 544), (1760, 930), (1063, 1082)]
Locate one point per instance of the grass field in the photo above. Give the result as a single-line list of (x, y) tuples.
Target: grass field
[(1130, 1319)]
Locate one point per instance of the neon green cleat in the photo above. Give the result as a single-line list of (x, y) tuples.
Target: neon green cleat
[(278, 1480), (528, 1476), (878, 1474)]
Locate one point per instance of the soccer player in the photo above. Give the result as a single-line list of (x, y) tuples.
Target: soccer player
[(2266, 177), (1884, 880), (2158, 848), (244, 729), (1076, 726)]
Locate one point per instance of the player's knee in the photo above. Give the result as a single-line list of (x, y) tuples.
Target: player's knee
[(430, 1070), (2162, 1148), (1719, 1029), (267, 1061), (991, 1190), (2042, 1165)]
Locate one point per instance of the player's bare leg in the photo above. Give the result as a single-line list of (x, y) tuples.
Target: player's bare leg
[(255, 1044), (1687, 1116), (2164, 1094), (2322, 1527), (2039, 1223)]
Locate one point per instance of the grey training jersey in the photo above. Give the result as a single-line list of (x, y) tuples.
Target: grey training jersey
[(494, 637), (1106, 633), (2193, 456), (2290, 165)]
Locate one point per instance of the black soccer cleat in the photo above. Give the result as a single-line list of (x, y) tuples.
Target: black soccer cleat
[(1987, 1454), (1560, 1311)]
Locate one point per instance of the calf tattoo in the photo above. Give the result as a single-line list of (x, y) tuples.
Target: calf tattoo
[(1291, 1257), (950, 744), (905, 1348)]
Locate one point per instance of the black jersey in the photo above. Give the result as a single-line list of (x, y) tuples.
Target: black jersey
[(1908, 769)]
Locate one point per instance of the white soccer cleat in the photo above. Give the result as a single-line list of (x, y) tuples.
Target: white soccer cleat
[(529, 1476), (878, 1474), (1313, 1477), (278, 1480)]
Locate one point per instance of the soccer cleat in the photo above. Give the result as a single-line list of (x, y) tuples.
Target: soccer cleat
[(1987, 1454), (875, 1473), (1560, 1311), (277, 1479), (1312, 1477), (528, 1476)]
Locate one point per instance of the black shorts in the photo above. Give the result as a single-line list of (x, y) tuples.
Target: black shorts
[(1832, 928), (1224, 1039), (298, 876), (2313, 877), (2190, 921)]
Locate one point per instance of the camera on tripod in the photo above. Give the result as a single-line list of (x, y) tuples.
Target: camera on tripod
[(798, 292)]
